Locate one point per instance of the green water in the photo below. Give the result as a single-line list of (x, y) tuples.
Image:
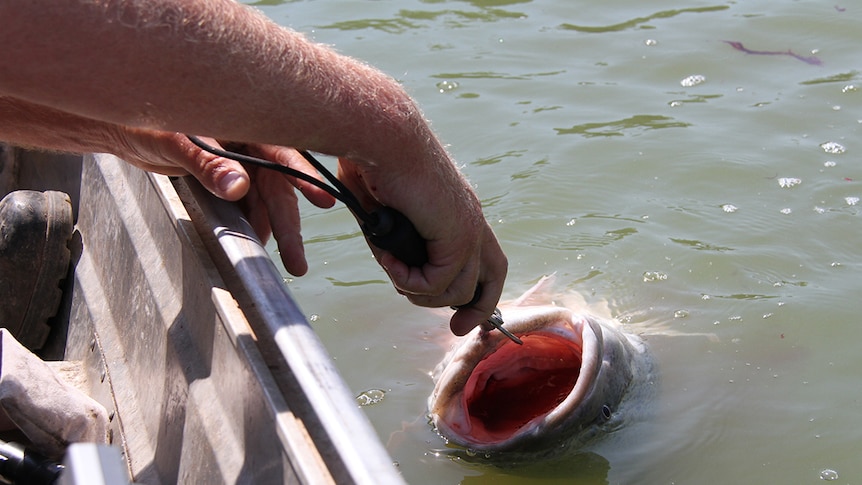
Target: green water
[(709, 217)]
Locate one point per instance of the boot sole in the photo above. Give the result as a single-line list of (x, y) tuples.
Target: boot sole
[(55, 265)]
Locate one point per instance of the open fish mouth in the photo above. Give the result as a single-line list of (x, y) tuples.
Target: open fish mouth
[(561, 386), (515, 385), (495, 395)]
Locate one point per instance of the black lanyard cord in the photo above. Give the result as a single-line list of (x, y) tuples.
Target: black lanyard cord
[(385, 227), (338, 190)]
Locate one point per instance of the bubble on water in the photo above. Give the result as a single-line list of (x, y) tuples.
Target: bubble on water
[(729, 208), (786, 210), (835, 264), (447, 86), (675, 104), (692, 80), (370, 397), (828, 474), (651, 42), (849, 88), (650, 276), (571, 222), (680, 314), (313, 317), (836, 108), (851, 200), (832, 147), (787, 182), (819, 210), (735, 318), (470, 452), (767, 315), (829, 164)]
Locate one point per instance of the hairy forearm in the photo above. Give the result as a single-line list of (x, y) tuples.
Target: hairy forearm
[(211, 67), (129, 76)]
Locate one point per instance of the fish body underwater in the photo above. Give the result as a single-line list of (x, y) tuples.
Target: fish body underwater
[(563, 387)]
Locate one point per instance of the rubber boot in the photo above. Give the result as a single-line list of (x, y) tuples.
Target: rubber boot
[(35, 229)]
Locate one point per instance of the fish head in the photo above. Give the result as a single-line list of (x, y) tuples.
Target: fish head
[(492, 394)]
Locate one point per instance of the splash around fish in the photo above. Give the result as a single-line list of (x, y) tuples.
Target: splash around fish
[(559, 390)]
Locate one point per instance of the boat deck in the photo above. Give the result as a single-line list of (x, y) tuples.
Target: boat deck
[(189, 336)]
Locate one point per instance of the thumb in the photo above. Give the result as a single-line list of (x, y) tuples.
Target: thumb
[(224, 177)]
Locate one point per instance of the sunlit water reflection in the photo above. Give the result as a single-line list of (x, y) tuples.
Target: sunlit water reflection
[(709, 195)]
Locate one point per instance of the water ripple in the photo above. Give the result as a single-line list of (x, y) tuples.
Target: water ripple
[(495, 159), (616, 128), (580, 242), (494, 75), (837, 78), (694, 98), (700, 245), (336, 282), (407, 20), (638, 21)]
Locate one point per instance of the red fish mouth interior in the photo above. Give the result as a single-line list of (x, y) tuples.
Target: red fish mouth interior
[(517, 383)]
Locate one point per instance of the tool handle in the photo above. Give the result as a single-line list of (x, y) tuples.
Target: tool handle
[(393, 231)]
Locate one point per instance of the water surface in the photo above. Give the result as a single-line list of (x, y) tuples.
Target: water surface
[(708, 195)]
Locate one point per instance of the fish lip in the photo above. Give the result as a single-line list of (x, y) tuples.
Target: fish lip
[(451, 416)]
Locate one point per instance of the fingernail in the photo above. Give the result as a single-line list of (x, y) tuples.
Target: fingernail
[(229, 181)]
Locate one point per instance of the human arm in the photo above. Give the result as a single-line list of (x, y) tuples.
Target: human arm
[(268, 198), (220, 69)]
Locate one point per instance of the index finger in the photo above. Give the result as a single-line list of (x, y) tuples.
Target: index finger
[(289, 157)]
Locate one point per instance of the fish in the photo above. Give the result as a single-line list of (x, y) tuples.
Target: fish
[(561, 389)]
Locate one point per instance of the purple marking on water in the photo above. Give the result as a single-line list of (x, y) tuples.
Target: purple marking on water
[(808, 60)]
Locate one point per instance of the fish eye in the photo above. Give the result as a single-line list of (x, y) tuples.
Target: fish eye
[(606, 411)]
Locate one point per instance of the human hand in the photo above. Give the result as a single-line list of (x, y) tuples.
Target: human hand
[(271, 204), (462, 249), (174, 154), (267, 198)]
